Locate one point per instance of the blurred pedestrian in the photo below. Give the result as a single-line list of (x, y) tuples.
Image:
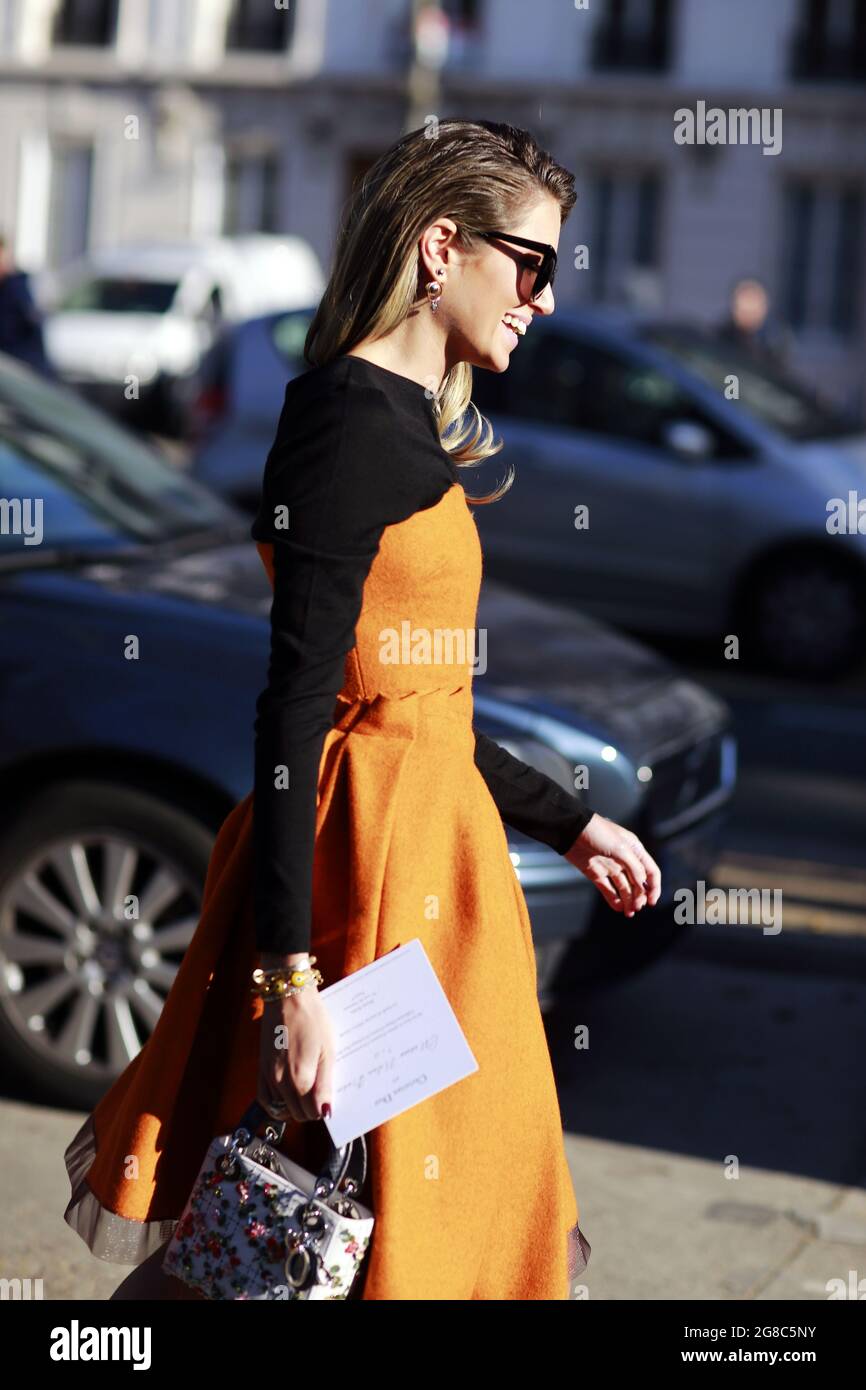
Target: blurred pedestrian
[(20, 318), (751, 327)]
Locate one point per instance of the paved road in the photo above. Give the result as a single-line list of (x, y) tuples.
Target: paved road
[(739, 1047)]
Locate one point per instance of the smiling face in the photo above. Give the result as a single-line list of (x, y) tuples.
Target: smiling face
[(482, 291)]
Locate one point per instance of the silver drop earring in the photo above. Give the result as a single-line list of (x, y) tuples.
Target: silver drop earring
[(434, 292)]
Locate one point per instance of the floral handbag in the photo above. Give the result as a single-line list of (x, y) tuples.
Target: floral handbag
[(258, 1226)]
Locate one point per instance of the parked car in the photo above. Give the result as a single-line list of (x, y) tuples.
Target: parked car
[(236, 397), (149, 311), (116, 774), (707, 516)]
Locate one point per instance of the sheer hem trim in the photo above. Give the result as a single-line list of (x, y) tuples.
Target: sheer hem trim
[(578, 1252), (117, 1239)]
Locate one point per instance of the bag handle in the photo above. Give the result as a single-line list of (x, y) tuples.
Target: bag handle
[(348, 1161)]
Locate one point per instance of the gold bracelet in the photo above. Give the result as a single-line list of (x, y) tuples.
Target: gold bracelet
[(280, 992), (283, 981), (282, 972), (296, 975)]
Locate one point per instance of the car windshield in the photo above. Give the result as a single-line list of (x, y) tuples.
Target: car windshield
[(120, 295), (98, 484), (768, 393)]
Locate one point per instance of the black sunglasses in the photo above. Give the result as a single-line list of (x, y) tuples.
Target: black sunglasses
[(545, 270)]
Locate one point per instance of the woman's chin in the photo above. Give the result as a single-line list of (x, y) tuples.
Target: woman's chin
[(497, 360)]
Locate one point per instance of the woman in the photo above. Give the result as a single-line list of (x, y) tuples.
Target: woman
[(365, 530)]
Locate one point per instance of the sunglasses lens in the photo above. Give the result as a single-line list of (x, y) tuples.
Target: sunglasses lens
[(544, 278)]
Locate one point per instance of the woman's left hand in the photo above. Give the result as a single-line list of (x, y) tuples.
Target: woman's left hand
[(614, 859)]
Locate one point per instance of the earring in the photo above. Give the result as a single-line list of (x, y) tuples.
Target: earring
[(434, 291)]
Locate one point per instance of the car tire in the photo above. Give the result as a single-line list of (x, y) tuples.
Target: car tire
[(805, 615), (103, 975)]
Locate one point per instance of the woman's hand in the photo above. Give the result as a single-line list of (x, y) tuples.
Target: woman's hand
[(296, 1056), (614, 859)]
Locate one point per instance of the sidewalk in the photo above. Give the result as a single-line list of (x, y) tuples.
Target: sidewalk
[(661, 1226)]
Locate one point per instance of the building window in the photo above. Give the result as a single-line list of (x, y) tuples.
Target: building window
[(250, 193), (822, 256), (633, 36), (623, 235), (86, 22), (260, 26), (70, 188), (829, 44)]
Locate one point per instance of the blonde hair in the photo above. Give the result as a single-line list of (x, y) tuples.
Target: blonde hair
[(482, 174)]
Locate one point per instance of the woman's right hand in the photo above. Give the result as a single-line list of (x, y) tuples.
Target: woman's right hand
[(296, 1056)]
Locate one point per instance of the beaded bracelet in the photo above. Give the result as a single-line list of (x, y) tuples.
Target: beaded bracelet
[(283, 981), (283, 971)]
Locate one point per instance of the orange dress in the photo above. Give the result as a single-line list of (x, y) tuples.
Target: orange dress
[(470, 1190)]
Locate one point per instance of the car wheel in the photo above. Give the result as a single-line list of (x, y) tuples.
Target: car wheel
[(807, 617), (100, 893)]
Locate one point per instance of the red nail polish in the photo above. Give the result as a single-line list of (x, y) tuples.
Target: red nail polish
[(326, 1111)]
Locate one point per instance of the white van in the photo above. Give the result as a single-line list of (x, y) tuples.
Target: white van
[(124, 325)]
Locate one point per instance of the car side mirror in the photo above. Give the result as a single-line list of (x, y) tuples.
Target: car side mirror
[(688, 440)]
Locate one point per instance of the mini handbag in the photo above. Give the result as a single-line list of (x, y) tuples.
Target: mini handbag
[(258, 1226)]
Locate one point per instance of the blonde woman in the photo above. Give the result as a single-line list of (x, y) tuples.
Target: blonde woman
[(389, 823)]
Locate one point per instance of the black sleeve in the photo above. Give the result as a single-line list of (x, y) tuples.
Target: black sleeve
[(529, 800), (322, 555), (329, 490)]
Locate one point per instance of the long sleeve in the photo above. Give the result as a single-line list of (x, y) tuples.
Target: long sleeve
[(529, 800), (315, 608), (334, 479), (321, 560)]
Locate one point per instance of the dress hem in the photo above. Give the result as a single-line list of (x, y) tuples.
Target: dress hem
[(579, 1250), (107, 1235), (124, 1240)]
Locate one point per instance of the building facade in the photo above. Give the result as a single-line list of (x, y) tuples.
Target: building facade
[(123, 120)]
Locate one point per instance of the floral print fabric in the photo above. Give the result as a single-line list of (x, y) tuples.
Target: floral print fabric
[(234, 1236)]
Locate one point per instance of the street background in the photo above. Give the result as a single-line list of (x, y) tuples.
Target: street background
[(147, 121)]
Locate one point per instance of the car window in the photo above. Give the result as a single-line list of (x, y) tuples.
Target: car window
[(99, 479), (767, 392), (564, 380), (120, 295), (41, 510)]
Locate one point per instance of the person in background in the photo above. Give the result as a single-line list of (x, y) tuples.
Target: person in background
[(751, 327), (20, 318)]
